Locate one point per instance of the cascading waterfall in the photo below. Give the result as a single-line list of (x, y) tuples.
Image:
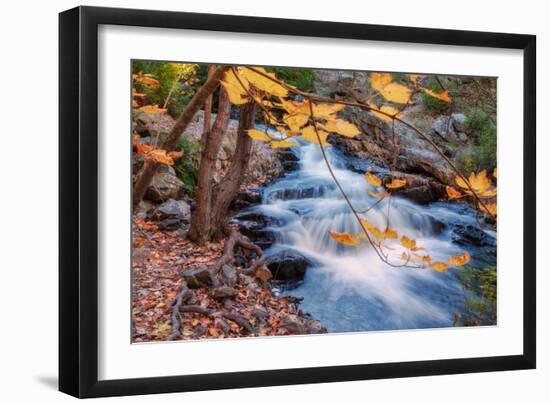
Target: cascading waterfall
[(350, 289)]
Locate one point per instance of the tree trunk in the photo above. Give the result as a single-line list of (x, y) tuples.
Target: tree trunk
[(229, 186), (207, 121), (148, 170), (200, 230)]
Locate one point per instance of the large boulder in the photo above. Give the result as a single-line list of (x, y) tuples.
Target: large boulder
[(165, 185), (172, 214), (451, 128), (288, 266)]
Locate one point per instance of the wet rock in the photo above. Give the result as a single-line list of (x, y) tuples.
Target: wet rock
[(165, 185), (246, 199), (223, 292), (422, 194), (289, 160), (255, 226), (197, 278), (470, 235), (300, 193), (288, 266)]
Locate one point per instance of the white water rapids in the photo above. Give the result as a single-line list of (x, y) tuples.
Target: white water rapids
[(351, 289)]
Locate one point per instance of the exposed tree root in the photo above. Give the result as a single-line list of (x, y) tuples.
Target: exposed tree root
[(232, 316), (186, 295)]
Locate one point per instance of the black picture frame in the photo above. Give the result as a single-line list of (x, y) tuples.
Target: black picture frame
[(78, 196)]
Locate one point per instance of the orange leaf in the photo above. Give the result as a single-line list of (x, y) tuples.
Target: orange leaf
[(143, 148), (443, 95), (396, 183), (160, 156), (345, 238), (459, 260), (373, 179), (453, 193), (440, 266)]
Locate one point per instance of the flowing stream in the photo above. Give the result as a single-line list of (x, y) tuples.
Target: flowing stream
[(350, 289)]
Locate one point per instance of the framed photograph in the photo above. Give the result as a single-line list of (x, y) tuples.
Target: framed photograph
[(251, 201)]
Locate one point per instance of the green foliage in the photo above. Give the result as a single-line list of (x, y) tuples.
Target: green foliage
[(433, 104), (187, 167), (169, 75), (482, 129), (480, 295), (300, 78)]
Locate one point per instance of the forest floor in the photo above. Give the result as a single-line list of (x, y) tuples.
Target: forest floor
[(160, 257)]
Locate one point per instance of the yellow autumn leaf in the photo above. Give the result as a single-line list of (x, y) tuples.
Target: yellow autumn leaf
[(309, 134), (153, 109), (443, 95), (280, 144), (408, 243), (375, 231), (480, 183), (237, 95), (345, 238), (296, 122), (459, 260), (379, 195), (495, 172), (259, 135), (489, 208), (396, 183), (380, 80), (453, 193), (386, 109), (391, 234), (262, 82), (341, 127), (326, 111), (414, 77), (397, 93), (439, 266), (488, 193), (373, 179)]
